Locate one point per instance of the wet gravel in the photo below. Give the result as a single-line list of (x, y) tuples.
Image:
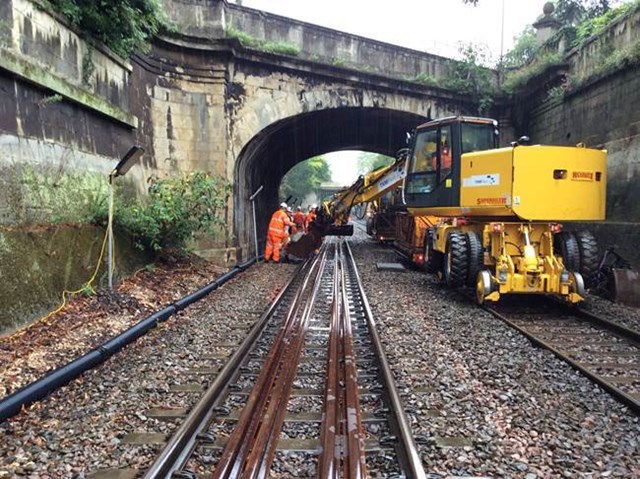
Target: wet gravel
[(484, 401), (80, 429)]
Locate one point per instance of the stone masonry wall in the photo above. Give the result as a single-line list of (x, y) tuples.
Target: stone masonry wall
[(218, 19)]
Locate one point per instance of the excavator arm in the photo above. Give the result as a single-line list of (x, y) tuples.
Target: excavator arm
[(367, 188)]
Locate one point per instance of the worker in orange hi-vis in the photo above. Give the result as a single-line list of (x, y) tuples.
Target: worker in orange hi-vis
[(311, 216), (298, 219), (277, 233)]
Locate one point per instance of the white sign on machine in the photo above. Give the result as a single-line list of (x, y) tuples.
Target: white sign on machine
[(491, 179)]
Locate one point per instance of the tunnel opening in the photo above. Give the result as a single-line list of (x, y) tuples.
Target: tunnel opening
[(265, 159)]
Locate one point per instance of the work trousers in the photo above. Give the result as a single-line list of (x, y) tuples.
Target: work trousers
[(275, 242)]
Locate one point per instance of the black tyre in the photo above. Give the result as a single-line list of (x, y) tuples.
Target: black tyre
[(476, 259), (456, 260), (433, 260), (566, 245), (588, 249)]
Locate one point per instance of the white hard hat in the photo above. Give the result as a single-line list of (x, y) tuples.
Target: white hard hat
[(289, 209), (314, 206), (283, 205)]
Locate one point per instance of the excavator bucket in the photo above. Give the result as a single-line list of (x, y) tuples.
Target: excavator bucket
[(339, 230), (624, 286)]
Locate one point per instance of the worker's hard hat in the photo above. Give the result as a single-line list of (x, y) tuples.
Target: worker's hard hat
[(299, 208), (289, 209), (283, 205), (314, 206)]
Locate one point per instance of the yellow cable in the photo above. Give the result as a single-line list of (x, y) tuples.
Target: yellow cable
[(88, 283)]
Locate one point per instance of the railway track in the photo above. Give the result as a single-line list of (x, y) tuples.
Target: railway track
[(605, 352), (309, 384)]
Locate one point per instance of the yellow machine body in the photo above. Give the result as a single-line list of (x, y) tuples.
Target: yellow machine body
[(530, 183)]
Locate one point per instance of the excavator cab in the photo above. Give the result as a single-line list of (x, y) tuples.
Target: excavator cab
[(433, 177)]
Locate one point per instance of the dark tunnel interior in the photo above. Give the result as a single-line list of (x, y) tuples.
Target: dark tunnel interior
[(275, 150)]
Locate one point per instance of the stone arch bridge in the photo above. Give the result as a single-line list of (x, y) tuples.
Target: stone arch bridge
[(233, 91)]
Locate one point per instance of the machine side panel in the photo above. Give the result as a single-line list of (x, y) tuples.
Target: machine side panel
[(486, 181), (559, 183)]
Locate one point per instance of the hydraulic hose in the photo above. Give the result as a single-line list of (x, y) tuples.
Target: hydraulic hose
[(41, 388)]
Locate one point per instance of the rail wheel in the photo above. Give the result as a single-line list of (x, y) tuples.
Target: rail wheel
[(484, 285), (577, 284), (566, 244), (588, 252), (456, 261), (476, 260), (433, 260)]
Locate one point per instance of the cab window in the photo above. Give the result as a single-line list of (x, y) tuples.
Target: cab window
[(422, 177), (478, 137)]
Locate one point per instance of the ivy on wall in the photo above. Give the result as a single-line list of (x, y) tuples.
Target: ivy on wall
[(122, 25)]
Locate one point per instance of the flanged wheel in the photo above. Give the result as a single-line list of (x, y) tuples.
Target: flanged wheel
[(484, 286), (433, 260), (577, 284), (476, 260), (566, 244), (456, 260), (588, 250)]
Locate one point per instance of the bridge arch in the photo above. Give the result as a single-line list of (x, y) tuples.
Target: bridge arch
[(267, 157)]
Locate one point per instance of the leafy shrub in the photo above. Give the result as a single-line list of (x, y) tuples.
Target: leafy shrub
[(521, 76), (175, 211), (122, 25)]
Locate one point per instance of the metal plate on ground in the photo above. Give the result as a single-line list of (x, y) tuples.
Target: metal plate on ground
[(390, 267)]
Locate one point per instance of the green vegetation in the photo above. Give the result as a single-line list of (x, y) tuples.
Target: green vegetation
[(176, 210), (600, 23), (470, 77), (305, 178), (523, 49), (425, 79), (339, 61), (50, 100), (367, 162), (52, 195), (266, 46), (521, 76), (122, 25)]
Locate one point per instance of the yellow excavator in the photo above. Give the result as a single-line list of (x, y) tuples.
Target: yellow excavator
[(501, 209)]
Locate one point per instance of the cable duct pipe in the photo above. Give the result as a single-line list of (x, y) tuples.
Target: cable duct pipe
[(61, 376)]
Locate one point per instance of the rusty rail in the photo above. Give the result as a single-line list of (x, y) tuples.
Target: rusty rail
[(252, 445), (342, 439)]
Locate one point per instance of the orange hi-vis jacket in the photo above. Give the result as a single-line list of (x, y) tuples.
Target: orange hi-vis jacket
[(279, 221), (311, 217), (298, 219)]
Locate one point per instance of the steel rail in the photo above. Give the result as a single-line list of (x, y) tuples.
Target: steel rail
[(629, 400), (178, 449), (352, 427), (259, 462), (238, 459), (342, 439), (408, 454)]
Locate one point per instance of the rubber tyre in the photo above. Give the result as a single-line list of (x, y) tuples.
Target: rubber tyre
[(433, 260), (566, 245), (589, 258), (476, 257), (456, 260)]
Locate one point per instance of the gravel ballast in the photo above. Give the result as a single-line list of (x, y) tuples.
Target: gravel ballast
[(484, 400)]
